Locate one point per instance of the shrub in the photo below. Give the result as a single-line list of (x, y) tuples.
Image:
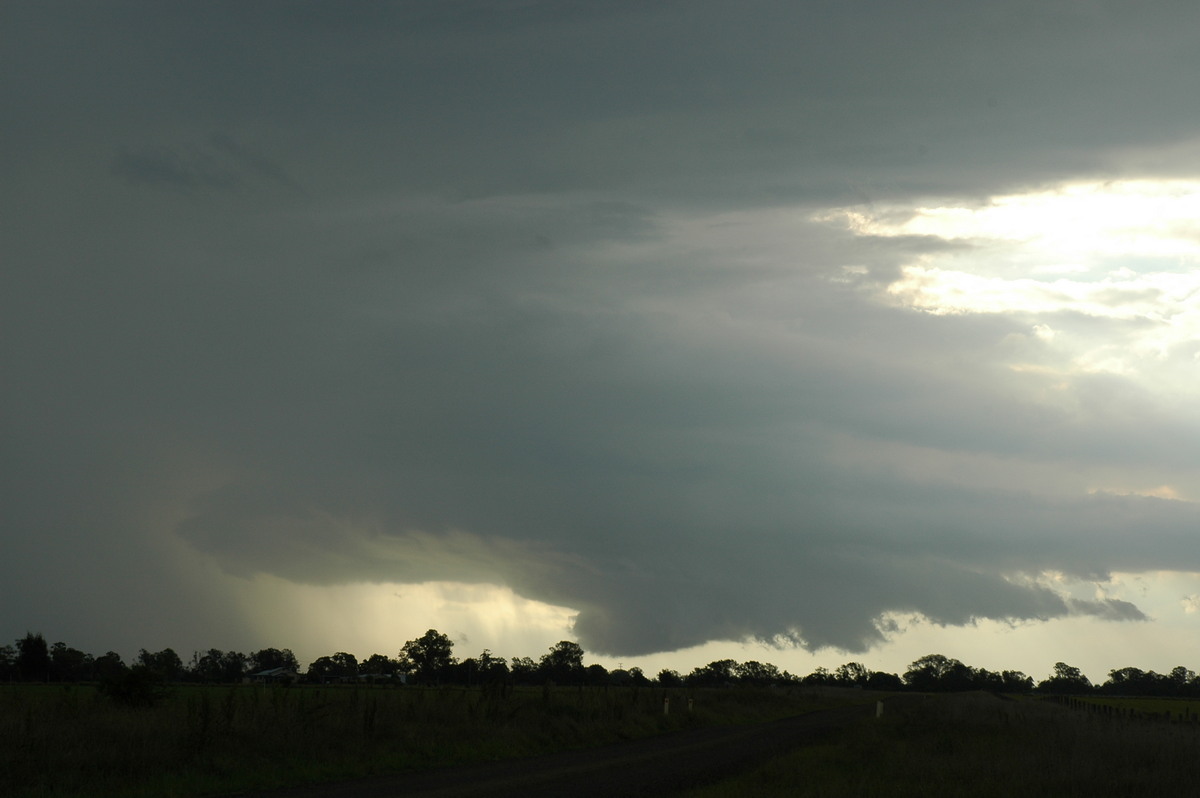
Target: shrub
[(137, 687)]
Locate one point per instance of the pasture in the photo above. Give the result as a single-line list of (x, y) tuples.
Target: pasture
[(1175, 710), (980, 745), (70, 740)]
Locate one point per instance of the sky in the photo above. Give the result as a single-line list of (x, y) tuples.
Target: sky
[(802, 332)]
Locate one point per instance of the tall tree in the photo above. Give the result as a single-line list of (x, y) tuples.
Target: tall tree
[(879, 680), (165, 664), (339, 667), (852, 674), (669, 678), (379, 665), (820, 675), (756, 674), (1065, 679), (717, 673), (33, 658), (491, 667), (428, 657), (271, 658), (524, 670), (1015, 682), (233, 667), (219, 666), (938, 672), (595, 674), (563, 663), (69, 664), (110, 666)]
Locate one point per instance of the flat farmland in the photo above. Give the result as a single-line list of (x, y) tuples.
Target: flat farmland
[(70, 740), (984, 746)]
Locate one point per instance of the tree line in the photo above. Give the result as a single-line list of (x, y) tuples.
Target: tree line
[(430, 660)]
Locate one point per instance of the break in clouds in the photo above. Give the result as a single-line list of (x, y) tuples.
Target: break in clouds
[(553, 297)]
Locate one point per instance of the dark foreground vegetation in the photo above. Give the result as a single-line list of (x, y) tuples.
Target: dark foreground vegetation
[(70, 740), (987, 746)]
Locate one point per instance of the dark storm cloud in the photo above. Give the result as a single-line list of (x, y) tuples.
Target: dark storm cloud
[(218, 162), (474, 291)]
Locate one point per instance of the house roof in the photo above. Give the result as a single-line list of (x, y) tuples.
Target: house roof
[(274, 672)]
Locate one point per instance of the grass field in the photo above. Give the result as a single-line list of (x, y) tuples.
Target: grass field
[(72, 741), (1173, 709), (978, 745)]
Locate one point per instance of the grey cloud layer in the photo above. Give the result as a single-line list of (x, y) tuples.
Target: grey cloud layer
[(394, 294)]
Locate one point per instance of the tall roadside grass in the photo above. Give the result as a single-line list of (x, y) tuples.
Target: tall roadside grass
[(73, 741), (979, 745)]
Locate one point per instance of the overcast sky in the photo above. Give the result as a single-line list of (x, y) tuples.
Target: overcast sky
[(804, 332)]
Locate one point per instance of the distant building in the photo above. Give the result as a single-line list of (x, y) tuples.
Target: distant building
[(273, 676)]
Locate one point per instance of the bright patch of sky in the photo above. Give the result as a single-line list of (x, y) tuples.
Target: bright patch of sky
[(1126, 252), (318, 619)]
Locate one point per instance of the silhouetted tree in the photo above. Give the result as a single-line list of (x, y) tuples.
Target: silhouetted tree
[(379, 665), (883, 681), (271, 658), (492, 669), (339, 667), (718, 673), (465, 671), (138, 687), (563, 663), (428, 656), (983, 679), (820, 676), (206, 667), (227, 667), (33, 658), (852, 674), (348, 663), (935, 672), (165, 663), (233, 667), (1065, 679), (109, 666), (70, 665), (756, 674), (1015, 682), (1181, 680), (1129, 681), (669, 678), (619, 677), (595, 675), (524, 670)]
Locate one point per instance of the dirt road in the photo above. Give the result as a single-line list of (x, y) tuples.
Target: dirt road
[(655, 766)]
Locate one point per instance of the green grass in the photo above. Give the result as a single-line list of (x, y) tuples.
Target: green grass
[(985, 747), (72, 741)]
